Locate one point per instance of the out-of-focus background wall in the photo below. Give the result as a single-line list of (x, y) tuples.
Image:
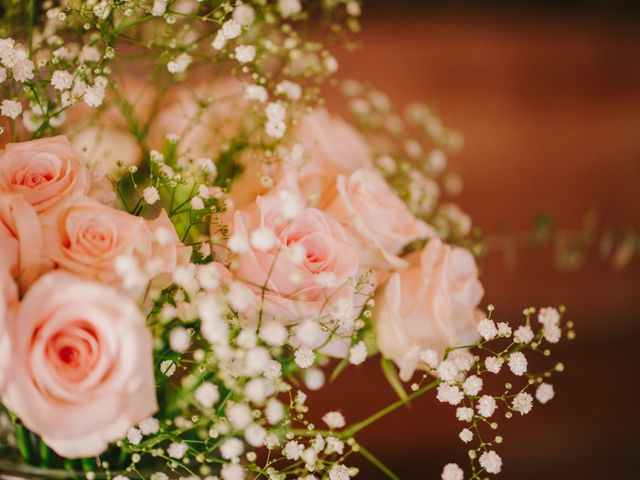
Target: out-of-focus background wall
[(547, 95)]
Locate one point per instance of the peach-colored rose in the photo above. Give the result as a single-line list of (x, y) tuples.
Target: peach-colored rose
[(379, 223), (296, 288), (88, 237), (21, 243), (7, 298), (46, 172), (430, 305), (82, 364), (331, 147)]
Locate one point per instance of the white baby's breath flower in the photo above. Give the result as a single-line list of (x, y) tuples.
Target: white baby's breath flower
[(245, 53), (493, 364), (239, 415), (151, 195), (544, 392), (491, 462), (504, 330), (231, 448), (288, 8), (274, 411), (61, 80), (197, 203), (430, 357), (168, 367), (304, 357), (11, 108), (523, 334), (289, 89), (232, 471), (522, 403), (179, 339), (552, 333), (275, 128), (466, 435), (231, 29), (238, 243), (219, 41), (310, 334), (263, 239), (149, 426), (334, 420), (159, 7), (339, 472), (292, 450), (257, 93), (549, 316), (314, 378), (177, 450), (273, 333), (447, 371), (464, 414), (463, 359), (244, 15), (334, 445), (255, 435), (450, 394), (472, 385), (487, 329), (134, 436), (486, 406), (180, 63), (207, 394), (518, 363), (452, 471), (358, 353)]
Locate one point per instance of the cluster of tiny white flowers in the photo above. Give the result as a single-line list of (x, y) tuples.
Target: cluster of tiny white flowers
[(459, 376)]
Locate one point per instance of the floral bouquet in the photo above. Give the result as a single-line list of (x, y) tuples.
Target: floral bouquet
[(190, 244)]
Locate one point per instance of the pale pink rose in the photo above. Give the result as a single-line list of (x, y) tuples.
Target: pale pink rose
[(87, 238), (8, 298), (430, 305), (296, 288), (46, 172), (331, 147), (21, 243), (379, 223), (82, 365)]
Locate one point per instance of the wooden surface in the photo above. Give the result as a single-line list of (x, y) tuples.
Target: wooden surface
[(551, 115)]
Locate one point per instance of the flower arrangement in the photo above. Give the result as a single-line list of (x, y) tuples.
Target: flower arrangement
[(191, 242)]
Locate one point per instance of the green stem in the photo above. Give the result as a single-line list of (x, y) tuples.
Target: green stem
[(381, 466), (390, 408)]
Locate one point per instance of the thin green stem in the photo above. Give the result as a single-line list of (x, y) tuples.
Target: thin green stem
[(390, 408), (374, 461)]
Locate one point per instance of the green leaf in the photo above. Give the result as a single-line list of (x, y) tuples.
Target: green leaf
[(389, 370)]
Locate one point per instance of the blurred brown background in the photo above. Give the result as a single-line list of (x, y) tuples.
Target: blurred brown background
[(547, 95)]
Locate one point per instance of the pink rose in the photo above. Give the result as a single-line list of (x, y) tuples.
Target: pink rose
[(7, 298), (21, 243), (309, 265), (46, 172), (379, 223), (82, 365), (87, 238), (331, 147), (430, 305)]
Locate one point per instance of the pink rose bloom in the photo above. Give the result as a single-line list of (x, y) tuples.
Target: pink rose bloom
[(46, 172), (331, 147), (21, 243), (379, 223), (430, 305), (310, 264), (87, 238), (82, 365), (7, 298)]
